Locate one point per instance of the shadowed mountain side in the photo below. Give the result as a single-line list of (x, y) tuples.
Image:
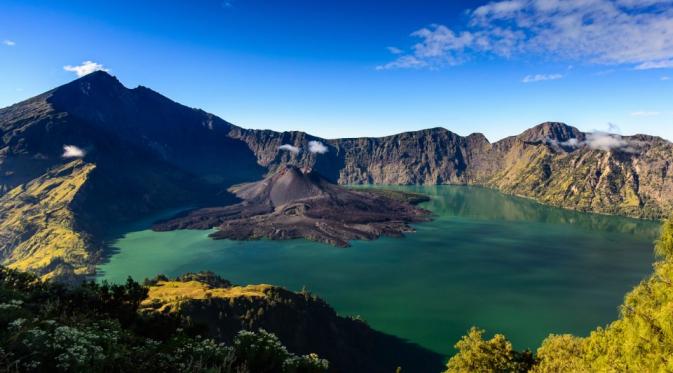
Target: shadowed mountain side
[(303, 323), (148, 154), (295, 204)]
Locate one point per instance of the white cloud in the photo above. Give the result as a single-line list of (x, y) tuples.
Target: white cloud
[(645, 113), (602, 140), (665, 78), (404, 62), (290, 148), (605, 141), (665, 64), (317, 147), (571, 142), (72, 151), (541, 77), (9, 43), (607, 32), (395, 50), (87, 67)]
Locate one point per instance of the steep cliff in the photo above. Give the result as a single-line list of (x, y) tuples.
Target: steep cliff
[(553, 163)]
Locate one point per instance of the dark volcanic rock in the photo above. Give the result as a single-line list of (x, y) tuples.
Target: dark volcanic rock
[(293, 204)]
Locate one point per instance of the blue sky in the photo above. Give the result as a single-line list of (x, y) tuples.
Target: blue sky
[(363, 68)]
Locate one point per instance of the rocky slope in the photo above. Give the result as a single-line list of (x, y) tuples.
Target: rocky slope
[(38, 229), (292, 203), (132, 152), (553, 163), (303, 323), (143, 152)]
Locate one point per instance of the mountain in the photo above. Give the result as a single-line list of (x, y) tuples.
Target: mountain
[(92, 153), (293, 203), (554, 163), (135, 152)]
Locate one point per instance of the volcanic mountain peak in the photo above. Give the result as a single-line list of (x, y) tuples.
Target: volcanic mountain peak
[(551, 131), (302, 204), (288, 184)]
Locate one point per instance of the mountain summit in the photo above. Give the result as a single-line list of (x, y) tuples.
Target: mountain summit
[(551, 131)]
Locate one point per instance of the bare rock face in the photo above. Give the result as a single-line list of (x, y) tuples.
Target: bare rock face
[(302, 204), (553, 163)]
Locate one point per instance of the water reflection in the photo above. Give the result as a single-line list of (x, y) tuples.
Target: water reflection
[(486, 204)]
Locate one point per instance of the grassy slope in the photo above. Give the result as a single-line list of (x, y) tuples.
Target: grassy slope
[(585, 180), (37, 225)]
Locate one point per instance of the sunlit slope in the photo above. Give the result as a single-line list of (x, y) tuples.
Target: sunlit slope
[(553, 163), (591, 180), (38, 229)]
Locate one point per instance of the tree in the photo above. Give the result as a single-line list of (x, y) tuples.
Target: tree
[(664, 246), (495, 355)]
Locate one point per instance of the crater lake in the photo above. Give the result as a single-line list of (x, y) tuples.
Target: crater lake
[(502, 263)]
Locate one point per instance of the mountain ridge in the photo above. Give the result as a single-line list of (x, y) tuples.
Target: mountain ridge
[(148, 153)]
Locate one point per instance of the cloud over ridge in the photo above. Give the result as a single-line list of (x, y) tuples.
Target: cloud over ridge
[(72, 151), (87, 67), (290, 148), (317, 147)]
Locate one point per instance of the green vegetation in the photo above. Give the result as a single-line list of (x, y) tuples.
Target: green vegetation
[(38, 232), (641, 340), (48, 327), (494, 355)]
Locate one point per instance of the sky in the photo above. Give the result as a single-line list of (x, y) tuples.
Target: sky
[(349, 68)]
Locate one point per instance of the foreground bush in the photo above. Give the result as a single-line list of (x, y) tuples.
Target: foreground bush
[(641, 340), (48, 327)]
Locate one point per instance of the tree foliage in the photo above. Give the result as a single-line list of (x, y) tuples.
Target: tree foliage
[(48, 327), (495, 355), (641, 340), (664, 246)]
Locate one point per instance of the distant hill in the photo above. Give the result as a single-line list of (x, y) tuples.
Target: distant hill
[(133, 151)]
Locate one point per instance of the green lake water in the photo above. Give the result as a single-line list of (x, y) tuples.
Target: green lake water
[(503, 263)]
